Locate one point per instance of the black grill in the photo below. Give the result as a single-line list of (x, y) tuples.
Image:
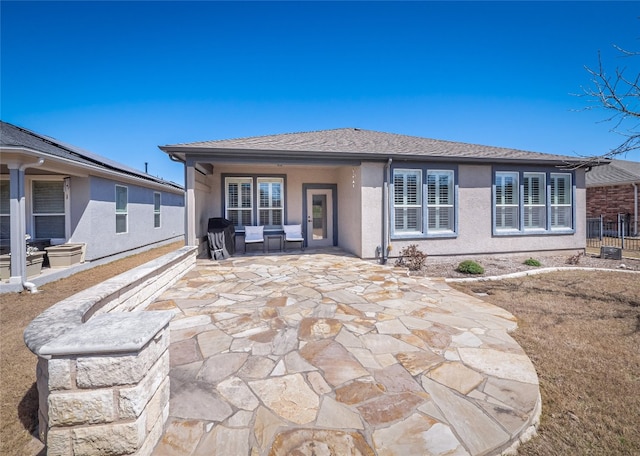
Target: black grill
[(221, 235)]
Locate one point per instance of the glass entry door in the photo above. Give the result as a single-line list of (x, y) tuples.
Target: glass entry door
[(320, 218)]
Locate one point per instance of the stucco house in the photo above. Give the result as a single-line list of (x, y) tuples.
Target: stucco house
[(373, 193), (612, 190), (56, 193)]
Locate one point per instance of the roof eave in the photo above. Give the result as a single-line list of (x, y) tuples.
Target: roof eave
[(262, 154)]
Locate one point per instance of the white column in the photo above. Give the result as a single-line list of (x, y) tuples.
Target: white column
[(190, 205)]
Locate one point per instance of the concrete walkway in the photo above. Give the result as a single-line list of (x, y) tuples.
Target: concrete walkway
[(327, 354)]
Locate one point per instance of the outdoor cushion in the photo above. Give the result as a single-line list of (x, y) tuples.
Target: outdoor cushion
[(293, 233), (253, 234)]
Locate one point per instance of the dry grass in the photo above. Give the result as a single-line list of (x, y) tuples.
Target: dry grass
[(18, 394), (582, 332)]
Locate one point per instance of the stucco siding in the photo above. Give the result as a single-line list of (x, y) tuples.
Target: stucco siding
[(97, 226), (350, 209), (475, 224), (372, 208)]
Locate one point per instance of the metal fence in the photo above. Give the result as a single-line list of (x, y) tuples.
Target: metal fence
[(618, 233)]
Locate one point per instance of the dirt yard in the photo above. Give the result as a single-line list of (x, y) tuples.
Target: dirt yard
[(18, 394), (582, 333)]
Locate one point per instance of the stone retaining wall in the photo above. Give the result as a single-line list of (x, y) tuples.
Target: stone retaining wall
[(103, 368)]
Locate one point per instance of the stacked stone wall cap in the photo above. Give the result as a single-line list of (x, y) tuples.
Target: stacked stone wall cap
[(109, 333)]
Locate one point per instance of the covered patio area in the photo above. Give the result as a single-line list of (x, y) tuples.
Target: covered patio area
[(324, 353)]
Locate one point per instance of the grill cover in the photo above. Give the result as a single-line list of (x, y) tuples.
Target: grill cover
[(221, 234)]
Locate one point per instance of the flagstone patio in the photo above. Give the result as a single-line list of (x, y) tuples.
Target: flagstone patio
[(321, 353)]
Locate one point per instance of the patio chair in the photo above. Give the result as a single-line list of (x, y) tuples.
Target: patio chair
[(253, 235), (293, 233)]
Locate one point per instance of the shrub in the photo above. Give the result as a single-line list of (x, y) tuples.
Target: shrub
[(470, 267), (532, 262), (412, 258)]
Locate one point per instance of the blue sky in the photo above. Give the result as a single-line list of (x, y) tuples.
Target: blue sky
[(120, 78)]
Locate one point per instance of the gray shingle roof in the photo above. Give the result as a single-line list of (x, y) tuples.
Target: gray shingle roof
[(354, 142), (616, 172), (13, 136)]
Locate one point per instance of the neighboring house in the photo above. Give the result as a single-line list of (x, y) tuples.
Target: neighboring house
[(612, 190), (57, 193), (373, 193)]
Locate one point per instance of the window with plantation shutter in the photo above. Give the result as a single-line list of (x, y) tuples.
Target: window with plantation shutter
[(239, 201), (561, 204), (440, 201), (507, 201), (535, 208), (528, 202), (48, 209), (407, 200), (270, 203)]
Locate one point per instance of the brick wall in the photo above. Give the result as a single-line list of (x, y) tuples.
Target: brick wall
[(610, 201)]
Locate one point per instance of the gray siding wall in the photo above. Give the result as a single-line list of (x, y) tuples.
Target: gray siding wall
[(93, 218)]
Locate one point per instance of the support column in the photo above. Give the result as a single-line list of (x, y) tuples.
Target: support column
[(17, 216), (190, 204)]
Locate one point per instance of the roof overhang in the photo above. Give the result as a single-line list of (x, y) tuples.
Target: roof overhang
[(63, 166), (192, 155)]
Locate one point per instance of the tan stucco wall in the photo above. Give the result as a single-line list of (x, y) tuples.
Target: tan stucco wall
[(475, 224), (360, 206)]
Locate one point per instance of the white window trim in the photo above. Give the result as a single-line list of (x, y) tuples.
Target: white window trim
[(239, 208), (157, 212), (271, 208), (425, 232), (515, 198), (419, 205), (30, 228), (553, 205), (121, 212), (451, 176), (548, 228), (543, 191)]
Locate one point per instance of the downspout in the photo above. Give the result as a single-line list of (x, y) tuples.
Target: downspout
[(635, 208), (28, 285), (385, 213)]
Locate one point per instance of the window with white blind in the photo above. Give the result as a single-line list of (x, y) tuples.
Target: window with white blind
[(440, 201), (270, 203), (239, 201), (507, 201), (122, 203), (47, 199), (532, 202), (5, 220), (535, 208), (561, 201), (407, 201), (156, 209)]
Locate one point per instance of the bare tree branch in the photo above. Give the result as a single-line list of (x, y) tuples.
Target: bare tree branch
[(619, 95)]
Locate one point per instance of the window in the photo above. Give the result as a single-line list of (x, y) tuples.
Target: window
[(535, 208), (532, 202), (156, 209), (122, 201), (407, 200), (507, 201), (48, 209), (239, 201), (440, 201), (5, 221), (270, 202), (423, 202), (561, 207)]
